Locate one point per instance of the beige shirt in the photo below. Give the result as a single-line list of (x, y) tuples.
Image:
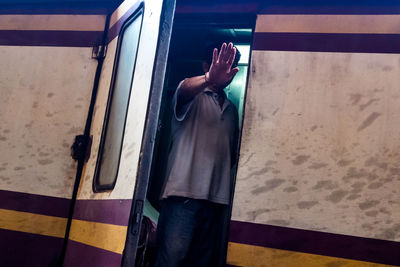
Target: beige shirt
[(203, 149)]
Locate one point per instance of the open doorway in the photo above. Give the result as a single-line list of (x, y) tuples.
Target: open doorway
[(188, 43)]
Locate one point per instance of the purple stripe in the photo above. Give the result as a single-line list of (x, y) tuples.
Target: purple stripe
[(79, 254), (113, 211), (331, 9), (52, 206), (327, 42), (23, 249), (217, 8), (52, 10), (327, 244), (51, 38), (288, 7), (114, 30)]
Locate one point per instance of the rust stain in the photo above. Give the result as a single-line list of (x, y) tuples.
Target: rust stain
[(353, 173), (368, 121), (19, 168), (337, 196), (387, 68), (290, 189), (269, 185), (368, 204), (343, 163), (353, 197), (375, 185), (300, 159), (364, 106), (324, 184), (355, 98), (306, 204), (372, 213), (45, 161), (317, 166)]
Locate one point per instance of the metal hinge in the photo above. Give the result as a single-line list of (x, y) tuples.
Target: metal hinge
[(99, 52)]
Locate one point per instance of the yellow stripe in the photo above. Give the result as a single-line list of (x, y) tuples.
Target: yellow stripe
[(52, 22), (382, 24), (252, 256), (32, 223), (105, 236)]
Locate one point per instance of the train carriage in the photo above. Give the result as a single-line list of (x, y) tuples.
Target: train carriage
[(318, 177)]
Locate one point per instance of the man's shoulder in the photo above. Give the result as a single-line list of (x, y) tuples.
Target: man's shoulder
[(232, 106)]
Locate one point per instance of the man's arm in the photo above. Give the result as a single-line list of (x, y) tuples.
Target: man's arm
[(218, 77)]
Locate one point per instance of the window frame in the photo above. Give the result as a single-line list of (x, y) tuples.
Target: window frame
[(96, 186)]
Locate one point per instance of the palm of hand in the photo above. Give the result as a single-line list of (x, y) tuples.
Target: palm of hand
[(220, 73)]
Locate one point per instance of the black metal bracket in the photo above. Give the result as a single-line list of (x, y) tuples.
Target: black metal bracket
[(80, 149), (99, 51)]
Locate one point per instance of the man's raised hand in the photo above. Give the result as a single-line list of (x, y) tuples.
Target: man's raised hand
[(220, 73)]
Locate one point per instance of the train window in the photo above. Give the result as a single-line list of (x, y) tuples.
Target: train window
[(114, 123)]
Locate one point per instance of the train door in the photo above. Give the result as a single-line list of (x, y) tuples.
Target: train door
[(46, 80), (191, 36), (132, 73)]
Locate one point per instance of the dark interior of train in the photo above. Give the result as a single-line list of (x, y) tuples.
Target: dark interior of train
[(187, 49), (189, 40)]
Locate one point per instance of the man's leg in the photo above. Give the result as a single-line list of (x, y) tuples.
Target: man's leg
[(204, 249), (175, 229)]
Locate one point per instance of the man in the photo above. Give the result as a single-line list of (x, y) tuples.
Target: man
[(203, 150)]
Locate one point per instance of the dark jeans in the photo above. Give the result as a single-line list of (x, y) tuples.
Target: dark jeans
[(188, 233)]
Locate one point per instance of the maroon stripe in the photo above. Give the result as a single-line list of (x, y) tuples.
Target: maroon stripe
[(327, 244), (113, 211), (23, 249), (79, 254), (52, 206), (53, 10), (51, 38), (115, 29), (327, 42), (323, 7), (217, 8), (289, 7)]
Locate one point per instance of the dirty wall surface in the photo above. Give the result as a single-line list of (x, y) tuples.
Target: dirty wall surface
[(320, 147)]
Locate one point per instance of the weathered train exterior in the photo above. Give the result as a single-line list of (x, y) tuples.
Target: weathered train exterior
[(47, 80), (319, 164), (318, 176)]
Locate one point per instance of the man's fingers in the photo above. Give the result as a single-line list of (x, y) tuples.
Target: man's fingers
[(228, 52), (215, 56), (233, 72), (232, 57), (221, 52)]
